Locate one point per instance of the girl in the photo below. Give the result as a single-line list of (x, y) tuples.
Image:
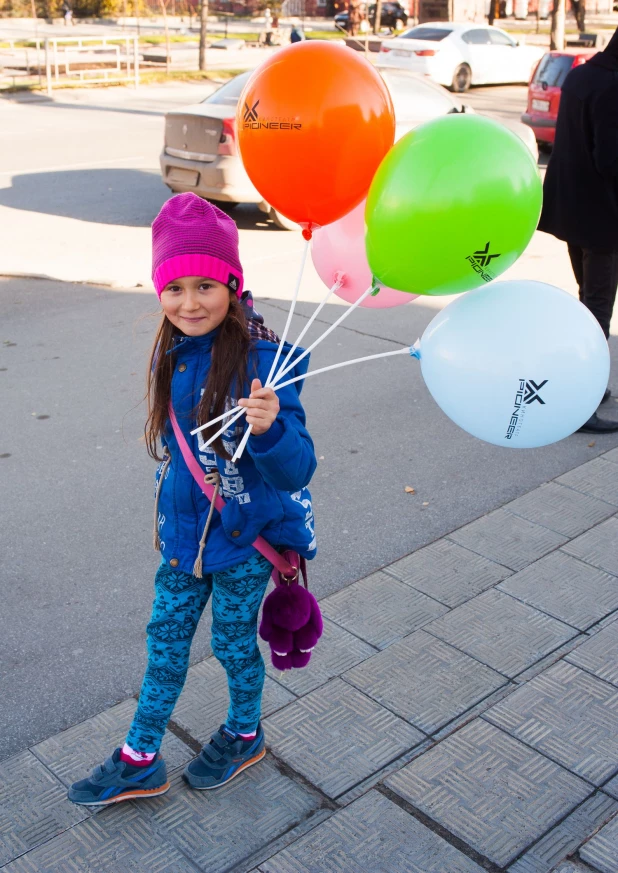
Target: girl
[(210, 349)]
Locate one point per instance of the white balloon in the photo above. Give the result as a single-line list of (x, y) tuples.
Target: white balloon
[(518, 364)]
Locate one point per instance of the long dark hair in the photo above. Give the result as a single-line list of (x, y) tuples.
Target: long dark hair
[(228, 372)]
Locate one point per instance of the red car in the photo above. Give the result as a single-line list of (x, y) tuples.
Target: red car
[(545, 88)]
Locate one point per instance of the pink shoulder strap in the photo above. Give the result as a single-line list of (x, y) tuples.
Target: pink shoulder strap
[(260, 543)]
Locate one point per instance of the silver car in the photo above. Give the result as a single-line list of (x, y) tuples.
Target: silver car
[(200, 152)]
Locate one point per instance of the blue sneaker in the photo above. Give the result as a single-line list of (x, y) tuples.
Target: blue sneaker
[(225, 756), (115, 780)]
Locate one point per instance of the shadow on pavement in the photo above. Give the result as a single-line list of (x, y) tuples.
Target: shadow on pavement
[(106, 196), (46, 102), (126, 197)]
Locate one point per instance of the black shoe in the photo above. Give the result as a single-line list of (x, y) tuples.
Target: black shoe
[(598, 425), (606, 396)]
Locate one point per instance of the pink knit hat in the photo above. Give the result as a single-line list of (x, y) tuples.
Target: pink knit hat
[(191, 237)]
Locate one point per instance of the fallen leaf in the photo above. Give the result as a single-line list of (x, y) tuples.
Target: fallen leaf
[(409, 490), (592, 444)]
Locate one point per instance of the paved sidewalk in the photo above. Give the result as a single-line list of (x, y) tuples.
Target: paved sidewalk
[(459, 714)]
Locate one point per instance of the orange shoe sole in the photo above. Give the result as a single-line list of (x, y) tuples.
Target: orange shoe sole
[(248, 763), (134, 795)]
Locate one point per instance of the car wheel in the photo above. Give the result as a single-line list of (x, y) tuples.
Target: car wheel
[(462, 79), (281, 221)]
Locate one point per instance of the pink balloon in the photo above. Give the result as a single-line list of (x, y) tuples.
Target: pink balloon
[(338, 249)]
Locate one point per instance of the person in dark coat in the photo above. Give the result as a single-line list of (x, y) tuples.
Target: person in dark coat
[(580, 198)]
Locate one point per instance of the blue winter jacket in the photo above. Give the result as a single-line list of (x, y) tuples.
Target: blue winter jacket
[(265, 490)]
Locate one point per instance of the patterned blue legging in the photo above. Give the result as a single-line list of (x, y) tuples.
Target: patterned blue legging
[(178, 605)]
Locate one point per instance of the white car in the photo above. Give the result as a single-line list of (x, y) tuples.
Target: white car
[(460, 55)]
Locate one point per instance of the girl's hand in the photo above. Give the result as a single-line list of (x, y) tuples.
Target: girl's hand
[(262, 407)]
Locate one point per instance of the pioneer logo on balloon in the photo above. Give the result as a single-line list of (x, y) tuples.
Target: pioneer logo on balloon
[(250, 111), (480, 260), (527, 393), (532, 392), (253, 122)]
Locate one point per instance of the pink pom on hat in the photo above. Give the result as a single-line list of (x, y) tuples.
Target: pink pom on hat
[(191, 237)]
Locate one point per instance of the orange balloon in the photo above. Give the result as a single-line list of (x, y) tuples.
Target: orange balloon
[(314, 122)]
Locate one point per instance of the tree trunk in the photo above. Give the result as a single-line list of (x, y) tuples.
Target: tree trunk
[(556, 39), (378, 19), (579, 10), (163, 5), (203, 31)]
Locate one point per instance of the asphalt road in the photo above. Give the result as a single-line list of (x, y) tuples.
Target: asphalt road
[(76, 497)]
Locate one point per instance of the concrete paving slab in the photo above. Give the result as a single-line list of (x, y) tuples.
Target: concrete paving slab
[(203, 704), (115, 840), (598, 546), (612, 455), (336, 737), (380, 610), (71, 754), (568, 715), (489, 790), (448, 572), (33, 806), (598, 478), (611, 787), (566, 588), (507, 539), (371, 834), (564, 839), (572, 867), (217, 830), (601, 851), (501, 632), (558, 508), (599, 654), (424, 680), (336, 651)]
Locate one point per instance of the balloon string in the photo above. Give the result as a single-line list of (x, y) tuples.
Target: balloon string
[(247, 434), (215, 420), (283, 372), (243, 442), (407, 350), (333, 290), (290, 313), (221, 430), (412, 351)]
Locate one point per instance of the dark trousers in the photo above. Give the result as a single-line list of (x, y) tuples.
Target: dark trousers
[(596, 273)]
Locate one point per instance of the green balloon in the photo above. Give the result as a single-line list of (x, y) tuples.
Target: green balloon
[(452, 206)]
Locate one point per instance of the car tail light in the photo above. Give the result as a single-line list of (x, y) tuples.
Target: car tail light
[(425, 53), (227, 141), (384, 48)]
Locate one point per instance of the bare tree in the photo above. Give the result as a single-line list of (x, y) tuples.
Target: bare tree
[(377, 24), (203, 32), (163, 5), (494, 11), (556, 39)]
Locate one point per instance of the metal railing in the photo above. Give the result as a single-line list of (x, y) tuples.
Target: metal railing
[(62, 52)]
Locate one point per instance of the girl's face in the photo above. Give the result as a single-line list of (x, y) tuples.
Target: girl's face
[(195, 305)]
